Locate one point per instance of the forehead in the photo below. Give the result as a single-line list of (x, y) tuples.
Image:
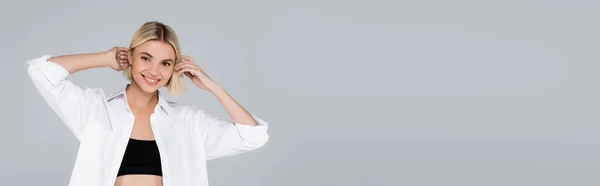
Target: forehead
[(157, 49)]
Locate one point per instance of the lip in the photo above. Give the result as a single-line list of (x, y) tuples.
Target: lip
[(151, 81)]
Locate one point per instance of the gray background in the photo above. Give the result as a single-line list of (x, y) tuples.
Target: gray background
[(419, 93)]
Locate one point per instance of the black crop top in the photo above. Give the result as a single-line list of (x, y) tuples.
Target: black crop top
[(141, 157)]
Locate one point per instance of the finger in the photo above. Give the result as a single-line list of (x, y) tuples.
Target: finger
[(188, 70), (180, 65), (187, 59), (186, 62), (192, 66), (183, 61), (123, 63), (189, 74), (182, 70), (121, 50), (187, 65), (121, 56)]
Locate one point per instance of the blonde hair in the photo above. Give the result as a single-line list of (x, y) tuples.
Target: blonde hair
[(156, 31)]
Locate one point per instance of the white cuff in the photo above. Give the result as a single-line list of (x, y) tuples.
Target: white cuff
[(53, 72)]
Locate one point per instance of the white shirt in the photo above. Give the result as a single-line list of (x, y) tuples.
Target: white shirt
[(186, 136)]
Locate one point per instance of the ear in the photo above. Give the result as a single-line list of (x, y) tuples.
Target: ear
[(130, 61), (130, 56)]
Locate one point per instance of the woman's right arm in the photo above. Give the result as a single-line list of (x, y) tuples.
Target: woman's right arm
[(116, 58), (78, 62), (70, 102)]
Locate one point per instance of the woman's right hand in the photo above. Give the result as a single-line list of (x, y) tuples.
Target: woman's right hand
[(120, 58)]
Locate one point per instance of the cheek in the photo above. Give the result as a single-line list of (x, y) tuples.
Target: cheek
[(167, 72), (136, 65)]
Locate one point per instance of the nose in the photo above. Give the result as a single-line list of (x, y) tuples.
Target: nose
[(153, 70)]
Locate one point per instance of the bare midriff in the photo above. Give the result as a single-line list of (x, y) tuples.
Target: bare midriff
[(139, 179)]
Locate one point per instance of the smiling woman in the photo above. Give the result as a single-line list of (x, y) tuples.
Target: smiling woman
[(135, 136), (157, 42)]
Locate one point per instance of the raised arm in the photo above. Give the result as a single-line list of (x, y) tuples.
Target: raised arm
[(222, 137), (70, 102), (116, 58)]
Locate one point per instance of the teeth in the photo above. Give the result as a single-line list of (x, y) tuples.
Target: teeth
[(150, 80)]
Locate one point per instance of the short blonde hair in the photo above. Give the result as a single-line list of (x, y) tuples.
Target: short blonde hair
[(156, 31)]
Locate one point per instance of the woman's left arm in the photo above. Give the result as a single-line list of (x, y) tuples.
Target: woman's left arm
[(224, 138)]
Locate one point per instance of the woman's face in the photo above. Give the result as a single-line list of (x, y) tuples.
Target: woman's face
[(152, 65)]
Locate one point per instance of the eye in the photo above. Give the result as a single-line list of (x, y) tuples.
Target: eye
[(166, 64), (145, 58)]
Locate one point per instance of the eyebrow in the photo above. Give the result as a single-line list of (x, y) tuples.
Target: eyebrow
[(166, 60), (147, 54)]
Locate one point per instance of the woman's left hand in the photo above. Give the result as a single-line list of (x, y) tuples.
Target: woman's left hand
[(188, 67)]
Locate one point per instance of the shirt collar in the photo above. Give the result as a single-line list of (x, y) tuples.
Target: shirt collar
[(162, 102)]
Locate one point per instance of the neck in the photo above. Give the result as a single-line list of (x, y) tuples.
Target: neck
[(138, 99)]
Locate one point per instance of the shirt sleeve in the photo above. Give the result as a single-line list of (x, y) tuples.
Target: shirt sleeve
[(226, 138), (70, 102)]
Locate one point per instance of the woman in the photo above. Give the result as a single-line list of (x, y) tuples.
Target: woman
[(135, 136)]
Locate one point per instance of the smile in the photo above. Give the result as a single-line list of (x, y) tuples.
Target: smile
[(151, 81)]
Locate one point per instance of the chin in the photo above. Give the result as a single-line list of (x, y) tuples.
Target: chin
[(148, 89)]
